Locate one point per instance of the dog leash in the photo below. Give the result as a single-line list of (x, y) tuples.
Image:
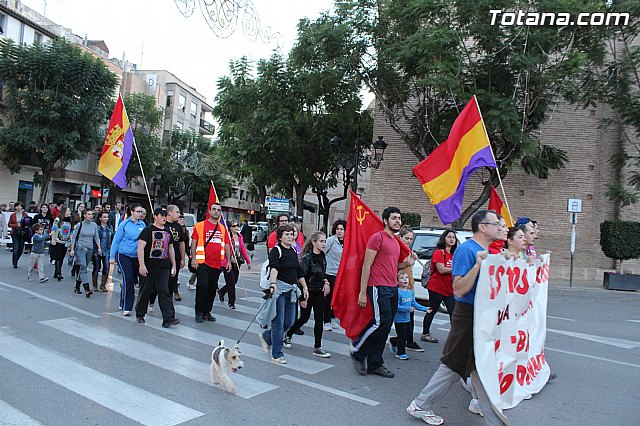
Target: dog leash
[(265, 297)]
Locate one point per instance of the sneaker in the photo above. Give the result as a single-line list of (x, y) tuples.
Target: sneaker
[(209, 317), (359, 365), (327, 326), (474, 407), (232, 306), (403, 357), (322, 354), (382, 371), (287, 342), (335, 325), (425, 415), (263, 343), (44, 280), (150, 308), (140, 320), (281, 360), (29, 279), (220, 296), (174, 321), (126, 313), (428, 338), (393, 348), (413, 346), (191, 286)]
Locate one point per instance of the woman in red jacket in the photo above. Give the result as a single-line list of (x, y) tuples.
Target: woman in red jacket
[(238, 258), (19, 232)]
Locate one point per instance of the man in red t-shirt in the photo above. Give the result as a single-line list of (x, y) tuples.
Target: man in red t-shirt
[(282, 219), (210, 249), (379, 285)]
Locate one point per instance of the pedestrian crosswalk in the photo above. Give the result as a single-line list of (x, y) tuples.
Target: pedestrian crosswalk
[(161, 352)]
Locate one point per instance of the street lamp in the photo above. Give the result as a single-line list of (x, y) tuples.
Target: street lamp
[(356, 160)]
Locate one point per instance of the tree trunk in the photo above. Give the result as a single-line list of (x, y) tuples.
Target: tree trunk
[(478, 202), (299, 194), (46, 181)]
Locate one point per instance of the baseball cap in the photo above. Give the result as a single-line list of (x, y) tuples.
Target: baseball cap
[(522, 221), (160, 210)]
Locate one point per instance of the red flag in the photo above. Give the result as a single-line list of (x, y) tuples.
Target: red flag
[(361, 224), (213, 198), (496, 204)]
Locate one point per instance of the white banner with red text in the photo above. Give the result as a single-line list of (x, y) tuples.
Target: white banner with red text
[(510, 328)]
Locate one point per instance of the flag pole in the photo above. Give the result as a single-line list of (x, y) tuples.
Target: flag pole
[(494, 158), (144, 179)]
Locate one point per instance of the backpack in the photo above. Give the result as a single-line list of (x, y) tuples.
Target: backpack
[(427, 271), (265, 271)]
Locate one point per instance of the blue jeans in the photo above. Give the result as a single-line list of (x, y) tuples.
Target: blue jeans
[(129, 267), (18, 246), (83, 257), (285, 317)]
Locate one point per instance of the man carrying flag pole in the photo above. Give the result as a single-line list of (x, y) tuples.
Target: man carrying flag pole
[(365, 302)]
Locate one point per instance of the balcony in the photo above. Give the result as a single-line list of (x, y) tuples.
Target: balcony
[(206, 128)]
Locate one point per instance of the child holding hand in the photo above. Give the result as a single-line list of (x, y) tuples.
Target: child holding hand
[(406, 304)]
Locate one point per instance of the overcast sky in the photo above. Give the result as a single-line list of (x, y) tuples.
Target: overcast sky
[(155, 35)]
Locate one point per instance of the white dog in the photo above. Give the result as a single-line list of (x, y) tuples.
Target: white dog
[(223, 361)]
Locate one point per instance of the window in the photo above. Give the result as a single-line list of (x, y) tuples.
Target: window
[(3, 24), (182, 101), (37, 38), (194, 109)]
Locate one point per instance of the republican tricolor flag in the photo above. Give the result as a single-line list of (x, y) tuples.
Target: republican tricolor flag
[(496, 204), (445, 172), (118, 146)]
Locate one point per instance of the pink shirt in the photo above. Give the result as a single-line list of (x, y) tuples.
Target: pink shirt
[(384, 270)]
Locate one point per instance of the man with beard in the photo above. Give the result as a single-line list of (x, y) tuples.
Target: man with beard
[(378, 285)]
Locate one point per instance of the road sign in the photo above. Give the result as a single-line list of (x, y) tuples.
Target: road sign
[(105, 192), (277, 205), (86, 188), (574, 205), (84, 198)]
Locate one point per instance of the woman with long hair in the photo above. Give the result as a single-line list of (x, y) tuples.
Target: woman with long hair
[(333, 253), (85, 237), (314, 265), (440, 284), (101, 261), (238, 258), (61, 233), (44, 218)]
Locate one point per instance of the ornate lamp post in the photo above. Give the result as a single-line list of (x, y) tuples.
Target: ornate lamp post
[(357, 160)]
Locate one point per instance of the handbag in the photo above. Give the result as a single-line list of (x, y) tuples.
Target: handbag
[(265, 271), (239, 259)]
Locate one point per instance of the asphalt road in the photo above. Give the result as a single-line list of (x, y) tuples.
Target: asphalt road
[(69, 360)]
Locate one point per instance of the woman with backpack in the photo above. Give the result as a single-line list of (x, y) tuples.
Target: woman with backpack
[(85, 236), (61, 233), (440, 284)]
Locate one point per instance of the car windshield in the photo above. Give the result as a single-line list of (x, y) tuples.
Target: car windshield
[(424, 245)]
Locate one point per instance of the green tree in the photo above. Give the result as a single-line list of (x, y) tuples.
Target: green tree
[(424, 59), (190, 163), (614, 79), (275, 126), (57, 99)]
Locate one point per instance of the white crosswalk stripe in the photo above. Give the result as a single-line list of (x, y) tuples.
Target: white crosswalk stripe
[(135, 403), (187, 367), (14, 417), (238, 324), (295, 363)]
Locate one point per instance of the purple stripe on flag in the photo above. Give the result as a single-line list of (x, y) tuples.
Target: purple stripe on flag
[(450, 209), (120, 178)]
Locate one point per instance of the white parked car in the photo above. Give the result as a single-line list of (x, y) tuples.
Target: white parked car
[(258, 233), (189, 222), (424, 243)]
